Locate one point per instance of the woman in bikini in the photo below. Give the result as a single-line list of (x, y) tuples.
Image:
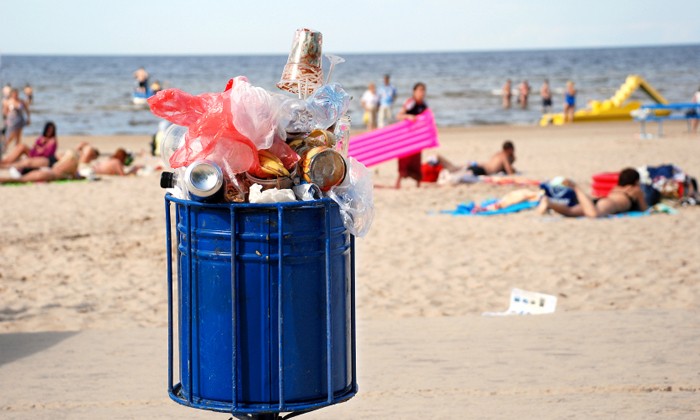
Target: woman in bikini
[(41, 154), (626, 196), (17, 116)]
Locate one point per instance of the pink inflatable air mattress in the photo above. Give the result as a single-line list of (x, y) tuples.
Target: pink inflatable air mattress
[(394, 141)]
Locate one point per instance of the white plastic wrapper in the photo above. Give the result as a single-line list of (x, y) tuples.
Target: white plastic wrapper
[(273, 195), (254, 112), (355, 198)]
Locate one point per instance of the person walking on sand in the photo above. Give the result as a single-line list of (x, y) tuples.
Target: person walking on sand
[(141, 76), (523, 94), (546, 95), (387, 96), (507, 94), (17, 116), (410, 166), (569, 102), (370, 104)]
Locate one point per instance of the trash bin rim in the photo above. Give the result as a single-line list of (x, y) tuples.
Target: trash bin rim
[(266, 206)]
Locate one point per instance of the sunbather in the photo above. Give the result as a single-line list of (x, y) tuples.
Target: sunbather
[(500, 162), (44, 149), (116, 165), (65, 167), (626, 196)]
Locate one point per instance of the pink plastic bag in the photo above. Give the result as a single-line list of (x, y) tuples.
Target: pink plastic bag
[(211, 132)]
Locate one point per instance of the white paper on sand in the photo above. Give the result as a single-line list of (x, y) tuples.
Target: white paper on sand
[(523, 302)]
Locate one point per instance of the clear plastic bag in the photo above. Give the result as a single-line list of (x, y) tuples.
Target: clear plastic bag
[(328, 104), (254, 113), (355, 198)]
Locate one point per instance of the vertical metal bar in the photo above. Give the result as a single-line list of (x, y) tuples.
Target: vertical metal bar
[(169, 258), (234, 310), (189, 300), (327, 271), (661, 128), (280, 307), (352, 310)]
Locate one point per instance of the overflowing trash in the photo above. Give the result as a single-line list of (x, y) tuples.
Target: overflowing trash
[(249, 145)]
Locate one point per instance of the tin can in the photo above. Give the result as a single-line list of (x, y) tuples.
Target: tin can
[(204, 179), (323, 166)]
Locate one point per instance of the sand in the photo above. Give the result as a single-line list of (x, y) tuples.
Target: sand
[(90, 256)]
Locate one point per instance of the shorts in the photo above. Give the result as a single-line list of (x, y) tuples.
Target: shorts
[(547, 102), (478, 170)]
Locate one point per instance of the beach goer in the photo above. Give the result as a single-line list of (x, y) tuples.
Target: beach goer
[(523, 93), (501, 161), (410, 166), (44, 147), (546, 95), (5, 96), (6, 91), (627, 195), (115, 165), (156, 86), (141, 76), (695, 112), (66, 167), (569, 102), (507, 94), (29, 93), (387, 96), (370, 104), (84, 151), (17, 116)]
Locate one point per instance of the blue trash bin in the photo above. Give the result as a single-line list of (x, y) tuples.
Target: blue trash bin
[(265, 306)]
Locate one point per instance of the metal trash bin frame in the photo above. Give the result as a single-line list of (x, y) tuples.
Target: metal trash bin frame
[(182, 396)]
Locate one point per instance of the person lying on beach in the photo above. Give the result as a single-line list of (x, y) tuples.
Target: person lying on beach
[(85, 152), (500, 162), (65, 168), (626, 196), (44, 147), (116, 165)]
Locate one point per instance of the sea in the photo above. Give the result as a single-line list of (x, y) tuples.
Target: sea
[(92, 94)]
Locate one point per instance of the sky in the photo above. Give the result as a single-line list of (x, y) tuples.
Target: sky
[(228, 27)]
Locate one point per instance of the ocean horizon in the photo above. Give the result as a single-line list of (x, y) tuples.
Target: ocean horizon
[(91, 94)]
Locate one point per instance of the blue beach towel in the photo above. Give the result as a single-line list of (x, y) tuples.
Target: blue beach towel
[(466, 209)]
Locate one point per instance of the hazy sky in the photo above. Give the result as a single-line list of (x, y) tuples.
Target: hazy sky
[(250, 27)]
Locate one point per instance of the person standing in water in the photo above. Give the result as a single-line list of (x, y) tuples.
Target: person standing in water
[(523, 94), (546, 95), (507, 94), (141, 76), (569, 102)]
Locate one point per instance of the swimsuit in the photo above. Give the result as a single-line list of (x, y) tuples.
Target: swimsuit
[(410, 166), (477, 170), (570, 99), (634, 204), (15, 118)]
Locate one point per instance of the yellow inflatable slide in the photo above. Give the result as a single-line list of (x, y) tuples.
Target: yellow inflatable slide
[(616, 108)]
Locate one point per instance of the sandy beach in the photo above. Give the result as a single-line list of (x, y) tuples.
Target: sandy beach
[(89, 257)]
